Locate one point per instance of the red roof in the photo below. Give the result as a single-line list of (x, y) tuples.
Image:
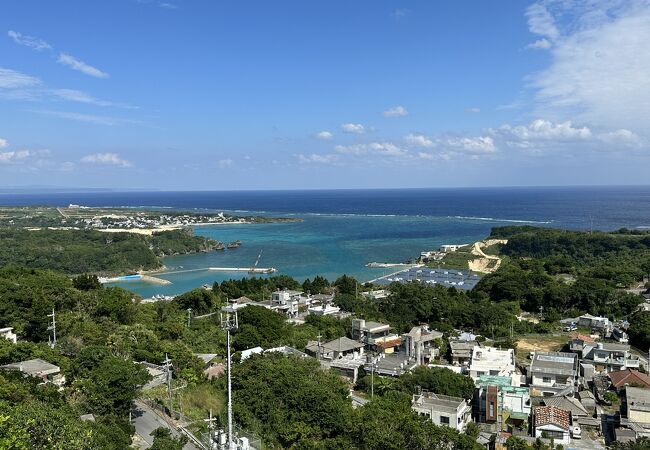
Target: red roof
[(629, 376), (389, 344), (551, 415), (584, 338)]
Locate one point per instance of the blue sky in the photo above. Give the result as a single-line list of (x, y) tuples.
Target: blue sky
[(189, 94)]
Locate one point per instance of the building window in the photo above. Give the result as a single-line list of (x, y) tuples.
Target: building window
[(491, 409), (444, 420), (546, 379), (553, 434)]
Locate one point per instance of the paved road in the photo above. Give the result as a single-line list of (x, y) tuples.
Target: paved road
[(146, 420)]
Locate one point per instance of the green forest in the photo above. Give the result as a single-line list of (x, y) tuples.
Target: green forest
[(89, 251)]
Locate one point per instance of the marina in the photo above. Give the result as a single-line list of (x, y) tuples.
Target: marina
[(459, 279)]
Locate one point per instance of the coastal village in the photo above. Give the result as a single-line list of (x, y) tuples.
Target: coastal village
[(579, 385), (592, 390), (116, 220)]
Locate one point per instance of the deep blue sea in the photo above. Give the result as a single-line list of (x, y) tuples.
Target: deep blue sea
[(342, 230)]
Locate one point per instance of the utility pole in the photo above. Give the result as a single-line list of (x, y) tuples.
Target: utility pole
[(211, 445), (52, 327), (189, 317), (372, 377), (229, 323), (168, 371), (319, 347)]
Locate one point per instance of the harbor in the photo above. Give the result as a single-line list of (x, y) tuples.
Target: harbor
[(460, 279)]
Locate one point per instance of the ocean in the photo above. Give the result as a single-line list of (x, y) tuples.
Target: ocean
[(342, 230)]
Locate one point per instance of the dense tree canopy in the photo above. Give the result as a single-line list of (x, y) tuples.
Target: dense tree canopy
[(84, 251)]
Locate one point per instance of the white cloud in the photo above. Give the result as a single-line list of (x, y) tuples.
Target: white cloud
[(324, 136), (397, 111), (541, 22), (540, 44), (89, 118), (74, 95), (23, 156), (457, 144), (29, 41), (356, 128), (600, 68), (543, 130), (419, 140), (564, 136), (75, 64), (166, 5), (3, 143), (15, 85), (11, 79), (473, 110), (400, 13), (474, 145), (373, 148), (109, 159), (317, 159), (7, 157), (225, 163)]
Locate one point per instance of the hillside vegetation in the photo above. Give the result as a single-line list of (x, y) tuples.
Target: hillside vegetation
[(82, 251)]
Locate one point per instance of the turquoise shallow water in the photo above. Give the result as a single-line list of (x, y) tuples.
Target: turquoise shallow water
[(327, 245), (345, 229)]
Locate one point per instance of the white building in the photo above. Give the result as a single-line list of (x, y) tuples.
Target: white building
[(552, 372), (8, 333), (492, 361), (324, 310), (443, 410)]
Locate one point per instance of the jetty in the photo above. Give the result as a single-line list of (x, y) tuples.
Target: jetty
[(244, 269), (253, 269), (380, 265)]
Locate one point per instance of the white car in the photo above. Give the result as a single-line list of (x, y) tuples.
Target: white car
[(576, 432)]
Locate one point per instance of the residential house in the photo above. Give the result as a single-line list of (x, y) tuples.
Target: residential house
[(629, 377), (376, 336), (502, 406), (551, 422), (390, 364), (286, 302), (609, 356), (38, 368), (338, 348), (342, 354), (377, 294), (207, 359), (238, 303), (637, 405), (567, 403), (324, 309), (493, 361), (600, 324), (579, 341), (552, 372), (443, 410), (419, 344), (245, 354), (461, 351), (8, 333), (287, 351)]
